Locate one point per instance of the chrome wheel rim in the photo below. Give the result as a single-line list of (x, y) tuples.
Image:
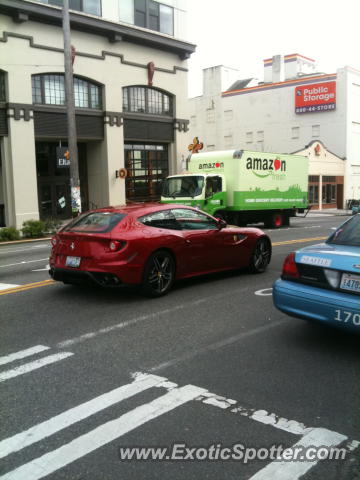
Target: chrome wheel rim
[(261, 255), (161, 273)]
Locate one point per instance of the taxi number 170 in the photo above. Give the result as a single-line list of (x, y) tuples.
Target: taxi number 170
[(347, 317)]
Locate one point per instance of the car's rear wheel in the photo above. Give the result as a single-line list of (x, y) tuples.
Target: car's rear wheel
[(260, 257), (159, 274)]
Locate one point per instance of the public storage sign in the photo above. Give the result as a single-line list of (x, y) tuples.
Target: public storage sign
[(317, 97)]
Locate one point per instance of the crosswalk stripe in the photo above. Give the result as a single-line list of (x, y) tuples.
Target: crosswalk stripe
[(293, 470), (76, 414), (28, 367), (22, 354), (102, 435)]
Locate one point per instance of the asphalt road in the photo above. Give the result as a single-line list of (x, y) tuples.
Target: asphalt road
[(211, 364)]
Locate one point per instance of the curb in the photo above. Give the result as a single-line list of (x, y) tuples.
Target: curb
[(26, 241)]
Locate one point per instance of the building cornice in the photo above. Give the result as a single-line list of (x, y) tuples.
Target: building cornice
[(288, 83), (22, 11)]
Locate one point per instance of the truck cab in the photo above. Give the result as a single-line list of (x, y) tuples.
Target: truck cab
[(204, 191)]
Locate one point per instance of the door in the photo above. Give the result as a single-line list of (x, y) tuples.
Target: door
[(205, 242), (54, 182), (147, 167)]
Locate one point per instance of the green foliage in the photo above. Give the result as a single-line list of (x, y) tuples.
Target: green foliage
[(52, 225), (9, 234), (33, 229)]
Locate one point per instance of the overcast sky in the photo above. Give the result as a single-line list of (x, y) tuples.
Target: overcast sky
[(242, 33)]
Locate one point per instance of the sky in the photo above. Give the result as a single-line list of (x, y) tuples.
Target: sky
[(242, 33)]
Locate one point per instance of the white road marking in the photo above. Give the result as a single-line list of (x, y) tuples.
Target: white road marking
[(292, 470), (47, 267), (24, 262), (6, 251), (29, 367), (149, 316), (265, 292), (6, 286), (22, 354), (102, 435), (214, 346), (76, 414)]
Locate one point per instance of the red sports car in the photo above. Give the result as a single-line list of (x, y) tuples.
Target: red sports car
[(152, 245)]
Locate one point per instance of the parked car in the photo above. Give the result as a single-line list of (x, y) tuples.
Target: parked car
[(152, 245), (322, 282), (355, 207)]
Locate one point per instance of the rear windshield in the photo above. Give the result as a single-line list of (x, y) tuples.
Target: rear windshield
[(348, 233), (97, 222)]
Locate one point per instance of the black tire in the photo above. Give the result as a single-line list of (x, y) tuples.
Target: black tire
[(260, 257), (159, 274), (274, 220)]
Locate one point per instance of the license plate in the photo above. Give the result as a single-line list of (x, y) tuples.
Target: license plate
[(350, 282), (72, 261)]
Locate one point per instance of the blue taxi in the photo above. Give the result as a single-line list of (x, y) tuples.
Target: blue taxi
[(322, 282)]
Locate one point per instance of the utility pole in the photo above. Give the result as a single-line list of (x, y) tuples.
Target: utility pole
[(70, 111)]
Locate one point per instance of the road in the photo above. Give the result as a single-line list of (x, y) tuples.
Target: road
[(85, 372)]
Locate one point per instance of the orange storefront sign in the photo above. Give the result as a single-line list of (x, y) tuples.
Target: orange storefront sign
[(317, 97)]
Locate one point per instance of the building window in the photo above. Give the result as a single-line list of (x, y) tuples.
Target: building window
[(193, 120), (314, 194), (316, 130), (87, 6), (50, 90), (210, 148), (146, 100), (295, 132), (228, 115), (329, 193), (154, 15), (228, 140), (249, 137), (2, 87), (260, 135), (314, 178), (210, 116)]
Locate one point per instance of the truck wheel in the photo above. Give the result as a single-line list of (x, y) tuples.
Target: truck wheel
[(260, 257), (275, 220)]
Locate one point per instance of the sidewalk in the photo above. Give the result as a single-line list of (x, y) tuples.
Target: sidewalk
[(329, 212)]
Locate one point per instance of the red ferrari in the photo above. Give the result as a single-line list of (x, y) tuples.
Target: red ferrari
[(152, 245)]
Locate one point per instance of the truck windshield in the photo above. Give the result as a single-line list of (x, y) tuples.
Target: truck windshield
[(187, 186)]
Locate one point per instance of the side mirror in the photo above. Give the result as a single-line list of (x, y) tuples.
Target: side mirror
[(221, 223)]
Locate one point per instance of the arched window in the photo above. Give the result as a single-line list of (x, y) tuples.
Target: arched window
[(49, 89), (147, 100)]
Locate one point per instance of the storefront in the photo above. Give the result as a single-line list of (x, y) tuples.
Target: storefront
[(54, 181), (325, 191)]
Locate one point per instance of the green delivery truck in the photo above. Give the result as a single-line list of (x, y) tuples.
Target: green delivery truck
[(242, 186)]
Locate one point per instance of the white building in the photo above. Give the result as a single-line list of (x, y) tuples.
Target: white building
[(130, 82), (293, 107)]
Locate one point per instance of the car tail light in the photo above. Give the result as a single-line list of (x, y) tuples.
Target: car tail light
[(290, 269), (116, 245)]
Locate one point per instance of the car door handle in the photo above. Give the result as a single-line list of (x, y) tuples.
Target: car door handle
[(188, 241)]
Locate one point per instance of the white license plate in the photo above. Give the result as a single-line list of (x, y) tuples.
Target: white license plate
[(350, 282), (72, 261)]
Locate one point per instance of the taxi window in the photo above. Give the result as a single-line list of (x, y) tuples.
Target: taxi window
[(348, 233)]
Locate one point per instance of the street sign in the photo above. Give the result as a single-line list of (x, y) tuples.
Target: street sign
[(62, 157)]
